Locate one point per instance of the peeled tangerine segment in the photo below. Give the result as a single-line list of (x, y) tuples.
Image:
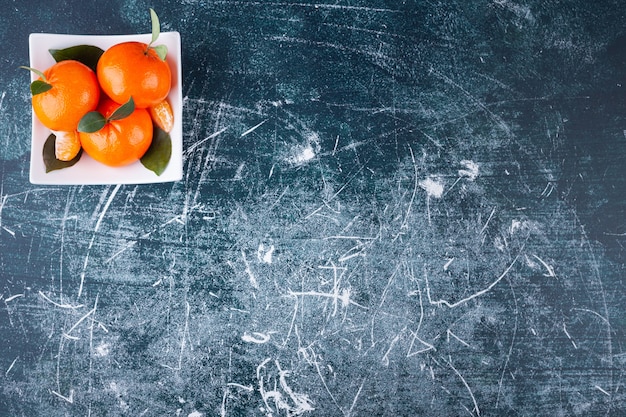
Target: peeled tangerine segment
[(66, 145), (162, 115)]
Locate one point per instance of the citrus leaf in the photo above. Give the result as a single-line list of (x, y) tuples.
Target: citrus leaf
[(159, 153), (124, 110), (36, 71), (87, 54), (49, 159), (38, 87), (156, 26), (161, 51), (91, 122)]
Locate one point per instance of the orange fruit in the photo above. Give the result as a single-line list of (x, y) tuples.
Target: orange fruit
[(75, 91), (66, 145), (134, 69), (162, 115), (119, 142)]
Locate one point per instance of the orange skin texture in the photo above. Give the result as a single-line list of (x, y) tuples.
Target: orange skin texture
[(132, 69), (119, 142), (75, 92)]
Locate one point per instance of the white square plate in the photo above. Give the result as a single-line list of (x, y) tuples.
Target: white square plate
[(88, 171)]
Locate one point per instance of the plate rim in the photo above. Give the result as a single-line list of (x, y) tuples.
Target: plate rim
[(134, 173)]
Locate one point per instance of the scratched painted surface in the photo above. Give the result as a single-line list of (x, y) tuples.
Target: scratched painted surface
[(387, 209)]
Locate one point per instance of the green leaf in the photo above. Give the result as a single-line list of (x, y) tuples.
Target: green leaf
[(36, 71), (49, 159), (91, 122), (123, 111), (161, 51), (159, 153), (38, 87), (87, 54), (156, 26)]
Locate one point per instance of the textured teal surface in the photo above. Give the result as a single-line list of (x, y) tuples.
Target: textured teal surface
[(387, 209)]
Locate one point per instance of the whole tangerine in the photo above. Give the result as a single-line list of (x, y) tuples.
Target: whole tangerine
[(122, 141), (74, 92), (134, 69)]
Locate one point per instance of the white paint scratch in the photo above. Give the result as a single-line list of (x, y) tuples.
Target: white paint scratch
[(548, 267), (351, 253), (302, 155), (432, 187), (520, 225), (569, 336), (256, 337), (264, 254), (10, 367), (285, 399), (211, 136), (13, 297), (335, 147), (395, 340), (102, 350), (69, 398), (93, 237), (356, 397), (243, 387), (343, 296), (595, 313), (450, 334), (42, 295), (253, 128), (178, 219), (466, 386), (67, 334), (416, 183), (488, 220), (2, 203), (251, 276), (602, 390), (470, 170), (425, 347), (470, 297), (350, 237), (183, 341)]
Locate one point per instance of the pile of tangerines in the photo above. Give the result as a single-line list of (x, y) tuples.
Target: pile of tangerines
[(108, 113)]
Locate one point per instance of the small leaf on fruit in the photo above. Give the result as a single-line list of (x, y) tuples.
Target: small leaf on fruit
[(87, 54), (156, 26), (49, 159), (159, 153), (161, 51), (36, 71), (123, 111), (38, 87), (91, 122)]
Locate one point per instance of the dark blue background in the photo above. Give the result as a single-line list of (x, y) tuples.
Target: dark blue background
[(308, 267)]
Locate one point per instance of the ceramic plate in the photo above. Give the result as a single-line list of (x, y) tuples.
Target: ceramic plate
[(87, 170)]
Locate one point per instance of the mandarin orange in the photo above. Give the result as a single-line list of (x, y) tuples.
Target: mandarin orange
[(162, 115), (75, 91), (134, 69), (120, 142), (66, 145)]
